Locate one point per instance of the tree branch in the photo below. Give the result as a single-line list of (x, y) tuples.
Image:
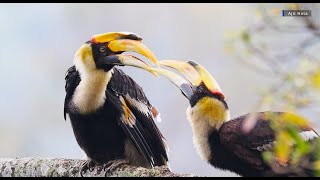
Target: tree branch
[(58, 167)]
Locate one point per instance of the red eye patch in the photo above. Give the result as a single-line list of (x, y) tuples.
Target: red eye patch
[(218, 93)]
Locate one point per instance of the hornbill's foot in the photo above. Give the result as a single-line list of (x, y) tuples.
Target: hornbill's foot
[(113, 165), (87, 165)]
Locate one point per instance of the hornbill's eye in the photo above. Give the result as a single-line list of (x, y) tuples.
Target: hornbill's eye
[(200, 89), (102, 49)]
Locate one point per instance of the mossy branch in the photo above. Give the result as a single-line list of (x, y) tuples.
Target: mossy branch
[(58, 167)]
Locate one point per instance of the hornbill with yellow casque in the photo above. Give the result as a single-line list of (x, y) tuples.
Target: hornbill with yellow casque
[(112, 119), (218, 139)]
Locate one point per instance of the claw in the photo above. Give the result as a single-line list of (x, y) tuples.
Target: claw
[(113, 165), (87, 165)]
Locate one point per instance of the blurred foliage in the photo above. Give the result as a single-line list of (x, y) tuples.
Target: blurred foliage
[(295, 68), (315, 79), (317, 154), (290, 147)]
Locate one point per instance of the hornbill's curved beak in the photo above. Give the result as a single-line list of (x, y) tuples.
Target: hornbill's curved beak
[(195, 76), (118, 42)]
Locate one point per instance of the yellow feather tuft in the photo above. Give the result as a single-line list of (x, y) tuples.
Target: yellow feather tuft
[(213, 110)]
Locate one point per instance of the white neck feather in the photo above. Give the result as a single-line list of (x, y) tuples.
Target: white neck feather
[(90, 93), (206, 116)]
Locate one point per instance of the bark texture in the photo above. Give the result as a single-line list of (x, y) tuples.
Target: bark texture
[(58, 167)]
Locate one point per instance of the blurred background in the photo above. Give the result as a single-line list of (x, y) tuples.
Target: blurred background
[(39, 42)]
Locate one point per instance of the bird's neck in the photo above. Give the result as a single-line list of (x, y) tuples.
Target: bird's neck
[(206, 117), (210, 110), (90, 93)]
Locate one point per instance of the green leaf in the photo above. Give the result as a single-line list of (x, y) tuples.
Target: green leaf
[(317, 167), (301, 147), (267, 157), (299, 121)]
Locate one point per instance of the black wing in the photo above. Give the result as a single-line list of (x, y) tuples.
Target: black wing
[(72, 79), (138, 122), (249, 146)]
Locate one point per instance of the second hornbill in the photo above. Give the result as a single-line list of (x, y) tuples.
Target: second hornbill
[(112, 119), (218, 139)]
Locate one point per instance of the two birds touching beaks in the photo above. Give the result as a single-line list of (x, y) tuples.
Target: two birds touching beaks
[(114, 122)]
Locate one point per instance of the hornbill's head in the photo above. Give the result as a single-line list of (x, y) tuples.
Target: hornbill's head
[(104, 51), (207, 102)]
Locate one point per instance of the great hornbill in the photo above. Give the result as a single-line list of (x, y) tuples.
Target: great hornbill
[(218, 139), (112, 119)]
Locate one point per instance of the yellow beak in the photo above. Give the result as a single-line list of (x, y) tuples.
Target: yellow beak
[(186, 69), (194, 73), (123, 42), (206, 78), (134, 46), (129, 60), (185, 87)]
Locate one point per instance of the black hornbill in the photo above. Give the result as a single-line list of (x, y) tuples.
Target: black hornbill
[(112, 119), (218, 139)]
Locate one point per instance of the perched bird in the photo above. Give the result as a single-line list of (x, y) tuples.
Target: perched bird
[(218, 139), (111, 117)]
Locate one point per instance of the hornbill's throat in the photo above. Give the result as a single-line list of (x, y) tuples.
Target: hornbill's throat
[(118, 42), (195, 75)]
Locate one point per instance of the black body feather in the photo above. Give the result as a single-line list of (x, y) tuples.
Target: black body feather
[(102, 134), (234, 150)]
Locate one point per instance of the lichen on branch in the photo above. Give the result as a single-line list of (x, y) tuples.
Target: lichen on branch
[(59, 167)]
